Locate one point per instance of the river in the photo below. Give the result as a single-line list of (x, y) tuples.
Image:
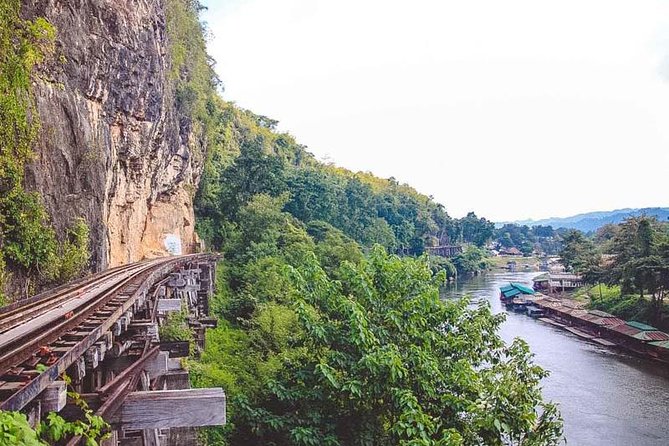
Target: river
[(606, 397)]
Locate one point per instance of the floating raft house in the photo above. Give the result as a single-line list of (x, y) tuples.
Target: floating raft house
[(515, 289)]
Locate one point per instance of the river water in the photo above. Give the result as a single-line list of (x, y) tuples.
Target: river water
[(606, 397)]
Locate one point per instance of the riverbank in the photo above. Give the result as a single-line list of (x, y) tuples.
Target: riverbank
[(625, 306), (604, 328), (599, 389)]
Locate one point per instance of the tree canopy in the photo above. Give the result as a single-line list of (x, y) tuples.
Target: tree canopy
[(331, 330)]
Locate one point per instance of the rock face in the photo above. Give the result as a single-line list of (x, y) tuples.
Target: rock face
[(112, 147)]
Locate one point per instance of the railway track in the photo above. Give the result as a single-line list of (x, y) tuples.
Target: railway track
[(19, 315), (45, 335)]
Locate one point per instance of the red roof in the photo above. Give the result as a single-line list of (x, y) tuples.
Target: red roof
[(576, 312), (612, 321), (601, 313), (603, 321), (652, 336), (626, 329)]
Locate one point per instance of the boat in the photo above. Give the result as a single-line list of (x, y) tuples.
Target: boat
[(518, 304), (535, 312)]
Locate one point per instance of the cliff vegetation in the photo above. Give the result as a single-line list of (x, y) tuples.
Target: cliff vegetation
[(28, 243)]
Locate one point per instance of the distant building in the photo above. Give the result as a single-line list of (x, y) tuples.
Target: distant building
[(513, 251), (557, 282), (545, 264), (565, 282)]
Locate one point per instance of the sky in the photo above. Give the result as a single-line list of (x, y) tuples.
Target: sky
[(512, 109)]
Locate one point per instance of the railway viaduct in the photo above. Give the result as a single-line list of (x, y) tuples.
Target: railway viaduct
[(103, 334)]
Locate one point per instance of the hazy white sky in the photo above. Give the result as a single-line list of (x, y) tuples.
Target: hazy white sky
[(513, 109)]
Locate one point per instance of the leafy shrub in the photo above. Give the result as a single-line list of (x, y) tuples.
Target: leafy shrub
[(175, 328), (75, 252), (365, 359), (15, 430)]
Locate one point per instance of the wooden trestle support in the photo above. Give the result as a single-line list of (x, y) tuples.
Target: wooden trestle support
[(103, 333)]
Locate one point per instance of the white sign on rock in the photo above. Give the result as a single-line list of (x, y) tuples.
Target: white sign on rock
[(173, 244)]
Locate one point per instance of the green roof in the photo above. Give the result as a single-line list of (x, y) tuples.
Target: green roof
[(640, 326), (524, 289), (662, 344), (514, 289), (510, 293)]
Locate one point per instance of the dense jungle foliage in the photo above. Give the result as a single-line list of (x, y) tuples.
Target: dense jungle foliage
[(528, 240), (28, 244), (255, 159), (331, 330), (632, 260)]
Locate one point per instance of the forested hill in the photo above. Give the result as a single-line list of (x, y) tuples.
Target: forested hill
[(250, 158), (323, 336), (247, 157), (592, 221)]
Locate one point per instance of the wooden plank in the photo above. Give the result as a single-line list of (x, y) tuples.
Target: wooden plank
[(604, 342), (180, 436), (174, 364), (112, 440), (92, 357), (102, 349), (168, 305), (150, 437), (119, 347), (177, 349), (34, 413), (130, 371), (579, 333), (130, 441), (171, 408)]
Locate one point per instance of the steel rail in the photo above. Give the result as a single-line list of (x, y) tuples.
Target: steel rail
[(23, 314), (25, 343), (54, 292), (145, 278)]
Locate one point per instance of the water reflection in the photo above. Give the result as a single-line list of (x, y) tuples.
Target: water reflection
[(606, 397)]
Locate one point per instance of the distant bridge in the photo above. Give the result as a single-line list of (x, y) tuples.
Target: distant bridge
[(102, 331), (444, 250)]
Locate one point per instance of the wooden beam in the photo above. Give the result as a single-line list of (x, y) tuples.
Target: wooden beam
[(54, 397), (34, 413), (176, 379), (177, 349), (171, 408), (157, 365), (130, 371)]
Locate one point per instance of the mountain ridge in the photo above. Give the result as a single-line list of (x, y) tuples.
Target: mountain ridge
[(591, 221)]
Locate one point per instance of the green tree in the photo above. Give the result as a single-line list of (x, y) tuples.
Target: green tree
[(471, 261), (378, 358), (639, 264), (577, 251), (476, 230)]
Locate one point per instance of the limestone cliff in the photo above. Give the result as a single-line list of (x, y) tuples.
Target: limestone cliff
[(112, 146)]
